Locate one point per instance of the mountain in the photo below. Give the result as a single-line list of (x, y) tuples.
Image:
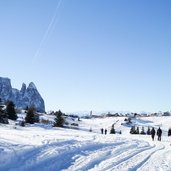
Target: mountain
[(26, 97)]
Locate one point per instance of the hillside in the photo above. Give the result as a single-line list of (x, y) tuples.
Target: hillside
[(39, 147)]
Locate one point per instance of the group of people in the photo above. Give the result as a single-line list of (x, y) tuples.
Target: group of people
[(153, 133), (103, 131), (159, 133)]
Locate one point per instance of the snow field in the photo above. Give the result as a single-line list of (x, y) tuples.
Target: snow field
[(43, 148)]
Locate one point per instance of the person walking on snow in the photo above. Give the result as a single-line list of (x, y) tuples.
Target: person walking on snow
[(169, 133), (101, 130), (153, 132), (159, 133), (105, 131)]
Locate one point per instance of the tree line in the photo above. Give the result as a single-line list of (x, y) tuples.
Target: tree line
[(8, 111)]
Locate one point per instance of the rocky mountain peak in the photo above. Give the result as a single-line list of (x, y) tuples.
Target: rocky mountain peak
[(26, 97), (5, 88), (23, 89), (32, 86)]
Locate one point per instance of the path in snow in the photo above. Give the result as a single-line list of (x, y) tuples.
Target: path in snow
[(132, 156), (42, 149), (112, 154)]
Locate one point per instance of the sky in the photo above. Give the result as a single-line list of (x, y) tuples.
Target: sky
[(89, 55)]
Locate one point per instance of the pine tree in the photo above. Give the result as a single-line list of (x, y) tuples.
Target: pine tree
[(36, 118), (142, 131), (59, 120), (30, 117), (10, 111), (148, 131), (132, 130), (112, 131), (137, 131), (1, 111), (3, 116)]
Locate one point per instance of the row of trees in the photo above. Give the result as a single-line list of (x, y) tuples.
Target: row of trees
[(8, 112), (136, 130), (32, 118)]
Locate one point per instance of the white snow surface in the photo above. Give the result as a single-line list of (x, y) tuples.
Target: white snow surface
[(43, 148)]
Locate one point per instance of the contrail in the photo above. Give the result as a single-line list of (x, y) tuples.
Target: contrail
[(45, 36)]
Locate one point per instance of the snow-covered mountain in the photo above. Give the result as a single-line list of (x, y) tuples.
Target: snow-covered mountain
[(27, 96)]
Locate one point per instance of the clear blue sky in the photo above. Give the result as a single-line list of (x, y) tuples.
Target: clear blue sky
[(89, 55)]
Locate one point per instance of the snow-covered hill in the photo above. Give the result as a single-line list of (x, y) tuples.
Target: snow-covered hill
[(39, 147)]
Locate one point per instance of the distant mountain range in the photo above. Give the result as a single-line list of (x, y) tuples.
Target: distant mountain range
[(26, 97)]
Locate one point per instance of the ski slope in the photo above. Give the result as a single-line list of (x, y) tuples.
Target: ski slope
[(36, 147)]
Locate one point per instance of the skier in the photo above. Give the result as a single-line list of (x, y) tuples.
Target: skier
[(169, 133), (159, 133), (153, 132)]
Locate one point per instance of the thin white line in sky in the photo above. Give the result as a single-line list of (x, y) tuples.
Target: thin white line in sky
[(46, 34)]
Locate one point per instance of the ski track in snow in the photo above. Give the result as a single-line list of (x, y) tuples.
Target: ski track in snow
[(74, 155), (159, 160), (75, 150)]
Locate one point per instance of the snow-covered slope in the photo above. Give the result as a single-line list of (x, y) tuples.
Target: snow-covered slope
[(43, 148)]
